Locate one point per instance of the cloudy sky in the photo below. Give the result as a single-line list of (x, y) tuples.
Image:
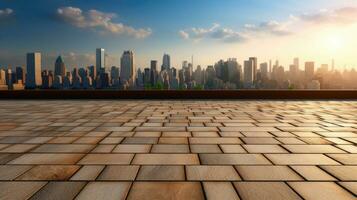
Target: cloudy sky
[(318, 30)]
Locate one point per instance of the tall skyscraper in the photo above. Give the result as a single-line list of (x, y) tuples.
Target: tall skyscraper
[(248, 72), (296, 63), (153, 72), (264, 70), (254, 62), (20, 74), (100, 60), (309, 70), (33, 78), (60, 67), (127, 68), (165, 62)]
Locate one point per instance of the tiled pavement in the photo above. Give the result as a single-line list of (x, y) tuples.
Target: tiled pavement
[(178, 150)]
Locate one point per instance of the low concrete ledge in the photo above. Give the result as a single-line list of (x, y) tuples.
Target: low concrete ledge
[(181, 94)]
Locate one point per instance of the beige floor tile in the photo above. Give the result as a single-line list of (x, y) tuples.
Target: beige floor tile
[(19, 190), (233, 159), (106, 159), (211, 173), (264, 148), (313, 173), (88, 173), (166, 159), (301, 159), (205, 148), (49, 173), (220, 190), (321, 191), (265, 190), (166, 190), (267, 173), (46, 158), (59, 190), (104, 191), (343, 173), (161, 173)]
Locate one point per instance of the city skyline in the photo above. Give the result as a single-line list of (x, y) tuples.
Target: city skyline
[(269, 30)]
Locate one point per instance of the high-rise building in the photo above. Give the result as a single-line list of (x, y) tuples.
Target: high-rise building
[(60, 67), (254, 62), (127, 67), (248, 72), (33, 78), (153, 72), (100, 60), (114, 74), (264, 70), (309, 70), (20, 74), (296, 63), (165, 62)]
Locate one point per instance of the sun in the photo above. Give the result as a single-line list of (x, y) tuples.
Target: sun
[(335, 42)]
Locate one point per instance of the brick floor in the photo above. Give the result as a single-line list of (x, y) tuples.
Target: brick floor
[(178, 150)]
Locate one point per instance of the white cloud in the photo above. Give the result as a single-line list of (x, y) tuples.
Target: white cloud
[(341, 16), (100, 21), (5, 13)]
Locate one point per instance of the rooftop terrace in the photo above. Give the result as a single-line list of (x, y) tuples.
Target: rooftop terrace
[(141, 149)]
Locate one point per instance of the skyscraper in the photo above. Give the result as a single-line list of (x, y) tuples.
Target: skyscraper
[(100, 60), (33, 78), (248, 72), (264, 70), (60, 68), (127, 68), (20, 74), (296, 63), (165, 62), (309, 70), (254, 62), (153, 66)]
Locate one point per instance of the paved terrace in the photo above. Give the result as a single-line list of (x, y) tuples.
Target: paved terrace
[(178, 150)]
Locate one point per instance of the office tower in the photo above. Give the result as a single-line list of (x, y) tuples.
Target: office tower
[(86, 82), (147, 75), (127, 67), (92, 72), (264, 70), (248, 73), (153, 72), (296, 63), (8, 76), (47, 79), (139, 79), (270, 66), (114, 75), (233, 72), (100, 60), (57, 82), (76, 79), (254, 62), (211, 76), (165, 62), (20, 74), (33, 78), (333, 65), (60, 67), (309, 70), (2, 77)]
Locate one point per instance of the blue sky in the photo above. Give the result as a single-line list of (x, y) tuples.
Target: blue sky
[(149, 27)]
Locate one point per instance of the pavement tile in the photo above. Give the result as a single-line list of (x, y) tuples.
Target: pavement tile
[(233, 159), (106, 159), (211, 173), (10, 172), (343, 173), (351, 186), (232, 148), (50, 173), (301, 159), (161, 173), (47, 158), (313, 173), (170, 148), (119, 173), (104, 191), (166, 190), (321, 191), (264, 148), (205, 148), (19, 190), (265, 190), (59, 190), (313, 149), (220, 190), (88, 173), (166, 159), (132, 148), (267, 173), (64, 148)]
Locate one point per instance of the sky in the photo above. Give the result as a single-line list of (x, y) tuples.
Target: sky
[(210, 30)]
